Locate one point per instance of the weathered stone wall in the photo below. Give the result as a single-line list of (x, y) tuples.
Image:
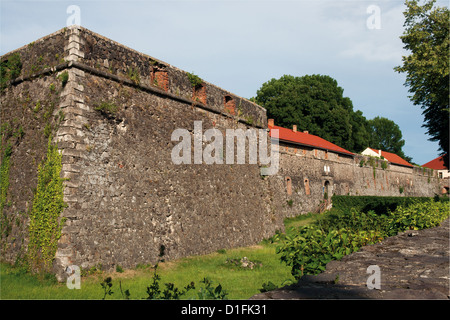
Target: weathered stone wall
[(303, 180), (125, 196)]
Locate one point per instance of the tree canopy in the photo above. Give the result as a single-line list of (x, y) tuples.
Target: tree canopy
[(426, 36), (387, 136), (315, 103)]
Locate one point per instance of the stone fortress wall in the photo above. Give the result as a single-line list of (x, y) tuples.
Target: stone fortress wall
[(113, 121)]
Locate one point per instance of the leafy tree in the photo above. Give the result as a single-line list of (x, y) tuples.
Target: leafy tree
[(426, 35), (386, 135), (315, 103)]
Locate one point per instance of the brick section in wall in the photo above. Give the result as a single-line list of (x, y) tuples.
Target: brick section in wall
[(160, 78), (199, 94), (230, 104)]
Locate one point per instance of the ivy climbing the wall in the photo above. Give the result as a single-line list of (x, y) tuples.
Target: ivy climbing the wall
[(45, 216), (4, 184)]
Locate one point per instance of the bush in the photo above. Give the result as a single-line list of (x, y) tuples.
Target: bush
[(419, 216), (308, 249), (380, 205)]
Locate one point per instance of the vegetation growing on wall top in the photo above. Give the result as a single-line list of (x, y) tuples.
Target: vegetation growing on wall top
[(195, 80), (10, 69)]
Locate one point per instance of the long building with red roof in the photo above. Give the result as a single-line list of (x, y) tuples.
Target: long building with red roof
[(305, 139)]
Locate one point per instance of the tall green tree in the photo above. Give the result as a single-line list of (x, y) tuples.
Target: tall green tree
[(315, 103), (426, 36), (386, 135)]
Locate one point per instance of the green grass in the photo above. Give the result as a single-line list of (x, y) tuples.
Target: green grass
[(240, 283), (301, 220)]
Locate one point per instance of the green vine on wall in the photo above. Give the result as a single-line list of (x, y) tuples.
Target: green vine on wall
[(45, 222), (4, 184)]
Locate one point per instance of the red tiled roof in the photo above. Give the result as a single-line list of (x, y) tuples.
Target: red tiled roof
[(307, 139), (393, 158), (436, 164)]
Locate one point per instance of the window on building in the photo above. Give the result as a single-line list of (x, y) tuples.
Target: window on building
[(306, 184), (289, 185)]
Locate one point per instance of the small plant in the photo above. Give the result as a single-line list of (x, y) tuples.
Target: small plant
[(401, 189), (290, 202), (119, 269), (107, 108), (61, 116), (361, 163), (134, 76), (269, 286), (64, 77), (244, 263), (37, 107), (106, 286), (126, 294), (19, 133), (10, 69), (171, 292), (211, 293), (96, 269), (195, 80), (48, 130)]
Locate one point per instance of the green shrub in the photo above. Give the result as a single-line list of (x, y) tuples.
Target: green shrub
[(419, 216), (195, 80), (64, 77), (308, 249), (380, 205)]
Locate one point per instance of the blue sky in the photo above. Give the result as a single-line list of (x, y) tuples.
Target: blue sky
[(239, 45)]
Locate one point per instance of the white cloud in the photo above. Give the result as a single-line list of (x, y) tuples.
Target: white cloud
[(372, 45)]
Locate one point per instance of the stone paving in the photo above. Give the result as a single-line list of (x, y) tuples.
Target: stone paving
[(412, 265)]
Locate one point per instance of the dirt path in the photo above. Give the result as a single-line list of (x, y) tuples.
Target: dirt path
[(412, 265)]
